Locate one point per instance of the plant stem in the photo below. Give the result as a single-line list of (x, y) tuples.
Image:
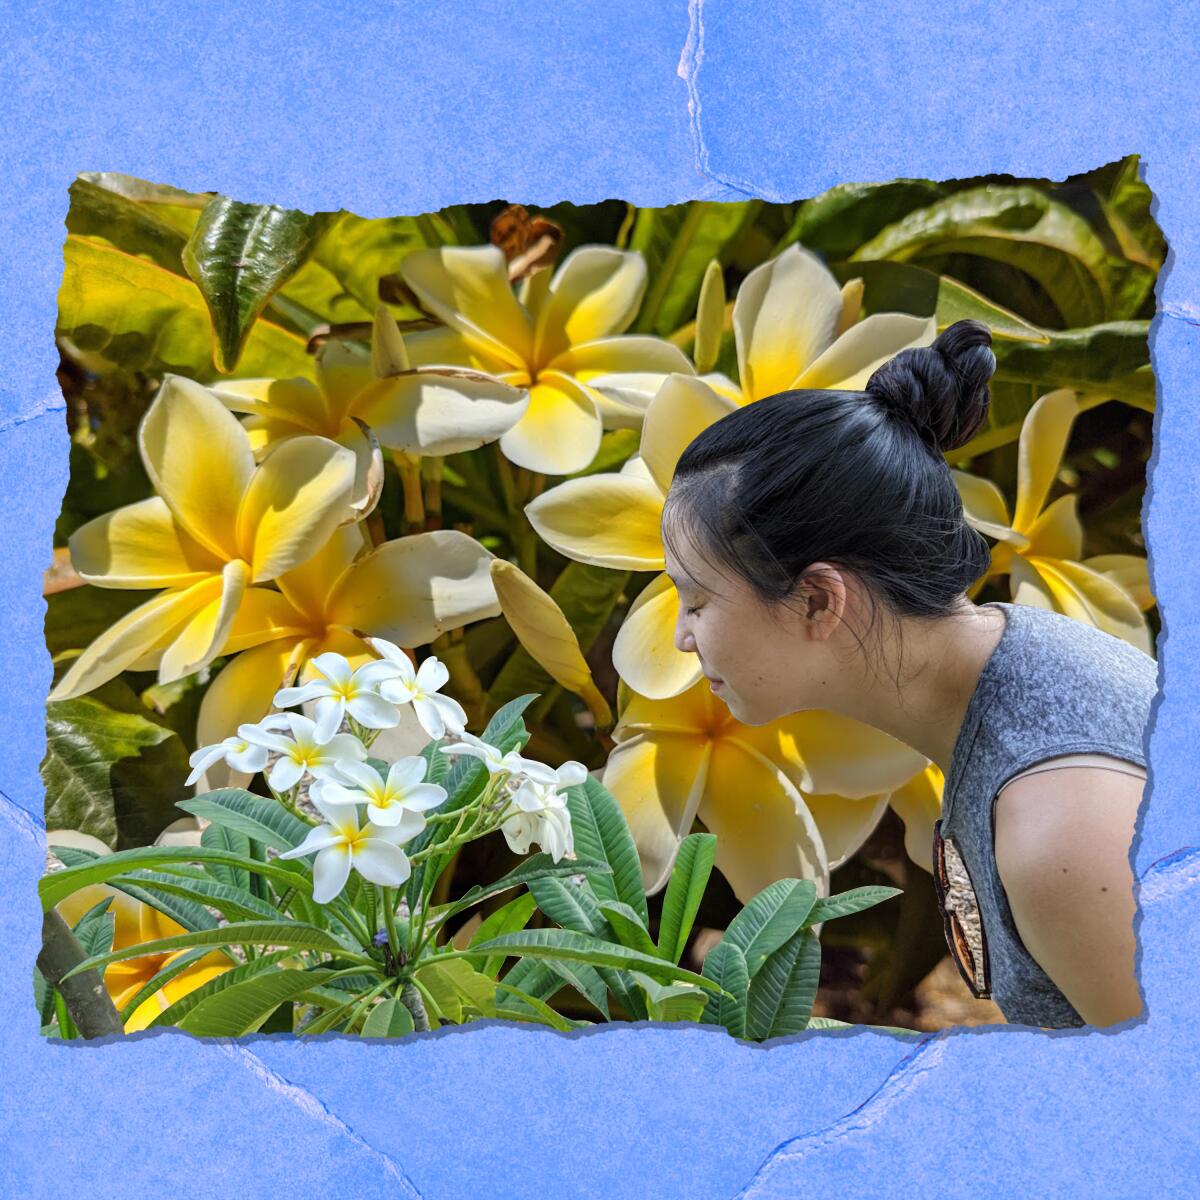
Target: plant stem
[(85, 997), (389, 921), (411, 999)]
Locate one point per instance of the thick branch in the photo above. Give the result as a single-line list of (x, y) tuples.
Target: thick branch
[(86, 997)]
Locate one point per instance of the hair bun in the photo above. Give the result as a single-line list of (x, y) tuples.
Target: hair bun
[(941, 390)]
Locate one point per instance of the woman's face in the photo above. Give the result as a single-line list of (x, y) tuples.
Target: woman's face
[(767, 667)]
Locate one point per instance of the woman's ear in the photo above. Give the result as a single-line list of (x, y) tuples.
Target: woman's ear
[(823, 595)]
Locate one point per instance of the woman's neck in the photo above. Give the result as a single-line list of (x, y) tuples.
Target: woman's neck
[(941, 664)]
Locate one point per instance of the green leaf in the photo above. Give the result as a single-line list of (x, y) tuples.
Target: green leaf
[(904, 287), (1021, 227), (388, 1019), (507, 919), (543, 1010), (830, 1023), (139, 316), (264, 820), (218, 837), (101, 214), (94, 930), (106, 760), (1111, 359), (537, 866), (241, 1007), (292, 934), (678, 242), (239, 255), (782, 991), (233, 903), (846, 903), (770, 919), (601, 832), (725, 966), (175, 966), (587, 981), (628, 927), (572, 905), (455, 986), (577, 947), (689, 878), (58, 886), (838, 221), (671, 1002), (79, 615)]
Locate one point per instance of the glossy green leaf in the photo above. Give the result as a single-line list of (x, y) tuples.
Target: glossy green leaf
[(507, 919), (56, 887), (139, 316), (110, 770), (671, 1002), (388, 1019), (218, 837), (601, 832), (292, 934), (628, 927), (783, 989), (239, 255), (1021, 227), (99, 213), (689, 878), (547, 1015), (537, 866), (232, 903), (577, 947), (725, 966), (678, 243), (263, 820), (843, 905), (241, 1007), (175, 966), (770, 919)]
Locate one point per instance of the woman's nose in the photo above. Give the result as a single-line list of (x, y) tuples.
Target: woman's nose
[(684, 642)]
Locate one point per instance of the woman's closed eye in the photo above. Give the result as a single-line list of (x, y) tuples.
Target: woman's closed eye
[(693, 610)]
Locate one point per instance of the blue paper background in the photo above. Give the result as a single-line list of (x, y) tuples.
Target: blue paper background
[(402, 108)]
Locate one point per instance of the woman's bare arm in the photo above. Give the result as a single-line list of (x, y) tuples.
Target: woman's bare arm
[(1062, 851)]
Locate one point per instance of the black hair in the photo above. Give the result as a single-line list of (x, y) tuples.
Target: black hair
[(855, 479)]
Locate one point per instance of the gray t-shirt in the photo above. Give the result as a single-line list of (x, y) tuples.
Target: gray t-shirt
[(1052, 686)]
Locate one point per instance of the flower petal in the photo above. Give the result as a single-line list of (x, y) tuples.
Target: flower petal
[(330, 872), (296, 499), (595, 292), (985, 508), (845, 824), (1130, 572), (644, 652), (202, 638), (296, 402), (559, 432), (264, 615), (150, 625), (1093, 598), (447, 347), (853, 358), (431, 413), (1040, 448), (658, 782), (785, 316), (411, 589), (919, 804), (373, 711), (381, 862), (1057, 532), (681, 410), (764, 829), (140, 546), (199, 460), (629, 354), (309, 584), (343, 371), (608, 520), (285, 774), (467, 288)]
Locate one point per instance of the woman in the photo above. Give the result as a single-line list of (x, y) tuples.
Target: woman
[(818, 545)]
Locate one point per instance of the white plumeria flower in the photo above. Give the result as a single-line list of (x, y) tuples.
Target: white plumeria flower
[(238, 752), (437, 714), (542, 815), (400, 800), (303, 751), (341, 843), (343, 689), (512, 762)]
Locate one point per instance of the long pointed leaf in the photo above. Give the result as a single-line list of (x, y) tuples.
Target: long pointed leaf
[(770, 919), (689, 878), (782, 992), (600, 831), (725, 966), (264, 820), (244, 1006)]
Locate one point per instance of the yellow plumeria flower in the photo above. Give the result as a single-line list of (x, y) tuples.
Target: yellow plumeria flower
[(790, 799), (408, 590), (218, 524), (420, 411), (795, 328), (1040, 547), (615, 520), (551, 338), (918, 803)]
